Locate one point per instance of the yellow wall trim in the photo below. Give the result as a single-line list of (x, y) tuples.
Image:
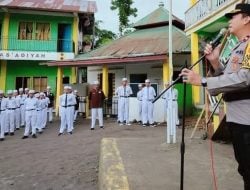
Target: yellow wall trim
[(3, 75), (73, 75), (75, 34), (105, 85), (194, 58), (166, 72), (6, 23), (59, 89)]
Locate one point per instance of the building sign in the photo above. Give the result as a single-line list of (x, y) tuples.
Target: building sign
[(35, 55)]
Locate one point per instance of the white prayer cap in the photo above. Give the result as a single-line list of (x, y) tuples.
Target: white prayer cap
[(69, 87), (9, 92), (147, 80), (96, 82), (20, 89), (42, 94), (37, 95), (48, 87), (26, 89), (124, 79), (66, 87), (75, 91), (1, 91), (32, 92), (139, 85), (14, 91)]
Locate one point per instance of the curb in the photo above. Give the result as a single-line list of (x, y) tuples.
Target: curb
[(112, 175)]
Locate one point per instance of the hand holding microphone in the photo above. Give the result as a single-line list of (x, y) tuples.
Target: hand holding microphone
[(212, 53)]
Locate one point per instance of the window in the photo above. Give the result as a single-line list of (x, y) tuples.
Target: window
[(22, 82), (42, 31), (25, 31), (39, 83)]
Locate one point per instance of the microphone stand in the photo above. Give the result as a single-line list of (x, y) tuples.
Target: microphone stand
[(183, 133), (177, 79)]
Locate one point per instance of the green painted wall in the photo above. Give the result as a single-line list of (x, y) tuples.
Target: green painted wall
[(189, 103), (32, 69), (35, 45)]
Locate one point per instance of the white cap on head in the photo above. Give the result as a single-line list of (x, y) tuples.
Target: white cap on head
[(124, 79), (75, 91), (66, 87), (32, 92), (37, 95), (147, 80), (96, 82), (48, 87), (14, 91), (9, 92), (42, 94), (20, 89), (26, 89), (69, 87), (139, 85), (1, 91)]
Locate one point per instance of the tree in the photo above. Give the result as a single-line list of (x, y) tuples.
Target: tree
[(102, 36), (124, 11)]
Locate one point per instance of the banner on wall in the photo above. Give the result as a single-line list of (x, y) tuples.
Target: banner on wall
[(35, 55)]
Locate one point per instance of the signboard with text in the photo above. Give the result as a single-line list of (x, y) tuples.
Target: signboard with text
[(35, 55)]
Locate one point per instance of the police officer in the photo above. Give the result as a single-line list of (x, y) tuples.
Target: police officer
[(22, 108), (96, 98), (123, 92), (232, 79), (51, 97), (3, 107), (66, 101), (10, 118), (148, 95), (139, 98), (31, 105)]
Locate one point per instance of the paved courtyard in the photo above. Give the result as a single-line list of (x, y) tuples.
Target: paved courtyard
[(71, 161)]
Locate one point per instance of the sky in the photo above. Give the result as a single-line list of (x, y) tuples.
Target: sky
[(110, 18)]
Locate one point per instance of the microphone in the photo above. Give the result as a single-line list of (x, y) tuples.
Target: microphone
[(217, 39), (213, 43)]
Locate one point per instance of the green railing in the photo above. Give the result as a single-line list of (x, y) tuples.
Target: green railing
[(58, 45), (202, 9)]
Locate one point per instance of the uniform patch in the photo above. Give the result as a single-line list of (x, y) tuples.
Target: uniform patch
[(246, 58)]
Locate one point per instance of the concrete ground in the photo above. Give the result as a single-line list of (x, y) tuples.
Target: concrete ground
[(72, 161)]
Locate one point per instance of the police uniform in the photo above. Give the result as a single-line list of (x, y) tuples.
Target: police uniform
[(232, 80), (66, 102), (148, 95), (96, 98), (123, 93), (10, 118), (31, 105), (3, 107), (139, 98)]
